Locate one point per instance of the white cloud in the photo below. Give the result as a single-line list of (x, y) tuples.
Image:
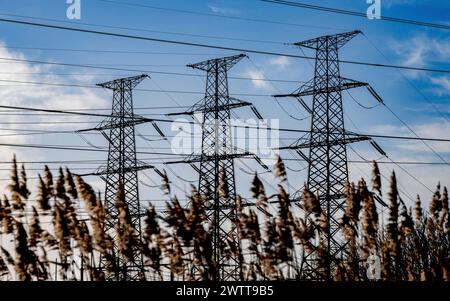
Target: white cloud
[(390, 3), (13, 93), (224, 10), (443, 85), (281, 62), (421, 50), (435, 130), (257, 80)]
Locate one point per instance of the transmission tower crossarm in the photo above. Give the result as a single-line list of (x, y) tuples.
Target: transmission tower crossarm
[(209, 158), (299, 144), (105, 171), (338, 40), (131, 82), (225, 62), (109, 124), (337, 84), (204, 109)]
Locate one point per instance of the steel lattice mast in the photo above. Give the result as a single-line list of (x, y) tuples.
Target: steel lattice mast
[(216, 160), (122, 168), (327, 142)]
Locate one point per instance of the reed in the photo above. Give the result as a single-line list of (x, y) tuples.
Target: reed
[(272, 233)]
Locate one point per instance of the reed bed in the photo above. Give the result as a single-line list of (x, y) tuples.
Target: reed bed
[(60, 235)]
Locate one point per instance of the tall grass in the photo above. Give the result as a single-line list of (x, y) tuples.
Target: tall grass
[(61, 236)]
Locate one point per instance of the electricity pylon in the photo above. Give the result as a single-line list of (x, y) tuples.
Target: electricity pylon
[(217, 163), (122, 169), (327, 143)]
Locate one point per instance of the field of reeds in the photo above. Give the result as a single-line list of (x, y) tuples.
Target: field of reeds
[(59, 234)]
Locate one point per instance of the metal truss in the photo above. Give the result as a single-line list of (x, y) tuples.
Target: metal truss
[(122, 168), (327, 141), (216, 161)]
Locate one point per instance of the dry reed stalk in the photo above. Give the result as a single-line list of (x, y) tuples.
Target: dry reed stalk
[(444, 219), (7, 220), (224, 191), (152, 237), (376, 178), (84, 240), (60, 187), (435, 205), (7, 256), (349, 225), (392, 225), (165, 187), (35, 230), (23, 188), (3, 215), (14, 184), (71, 187), (43, 198), (49, 240), (86, 193), (48, 180), (311, 203), (370, 227), (3, 267), (418, 210), (97, 213), (406, 221), (386, 268), (4, 270), (258, 192), (176, 257), (15, 189), (62, 232), (127, 240), (280, 169), (23, 259)]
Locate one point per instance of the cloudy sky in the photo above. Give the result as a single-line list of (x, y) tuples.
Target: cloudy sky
[(420, 99)]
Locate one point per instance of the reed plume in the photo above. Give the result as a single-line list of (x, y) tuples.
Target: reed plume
[(43, 198)]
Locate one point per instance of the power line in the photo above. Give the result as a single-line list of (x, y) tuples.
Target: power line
[(216, 15), (209, 46), (131, 70), (37, 146), (151, 31), (415, 134), (108, 51), (152, 161), (360, 104), (356, 13), (390, 160), (48, 122), (107, 109), (127, 65), (237, 126), (141, 90)]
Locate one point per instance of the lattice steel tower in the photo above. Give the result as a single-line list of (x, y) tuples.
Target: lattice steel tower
[(216, 160), (328, 170), (122, 168)]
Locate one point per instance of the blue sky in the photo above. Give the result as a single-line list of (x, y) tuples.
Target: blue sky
[(395, 43)]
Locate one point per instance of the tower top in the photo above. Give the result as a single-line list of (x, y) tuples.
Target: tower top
[(131, 82), (225, 63), (337, 40)]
